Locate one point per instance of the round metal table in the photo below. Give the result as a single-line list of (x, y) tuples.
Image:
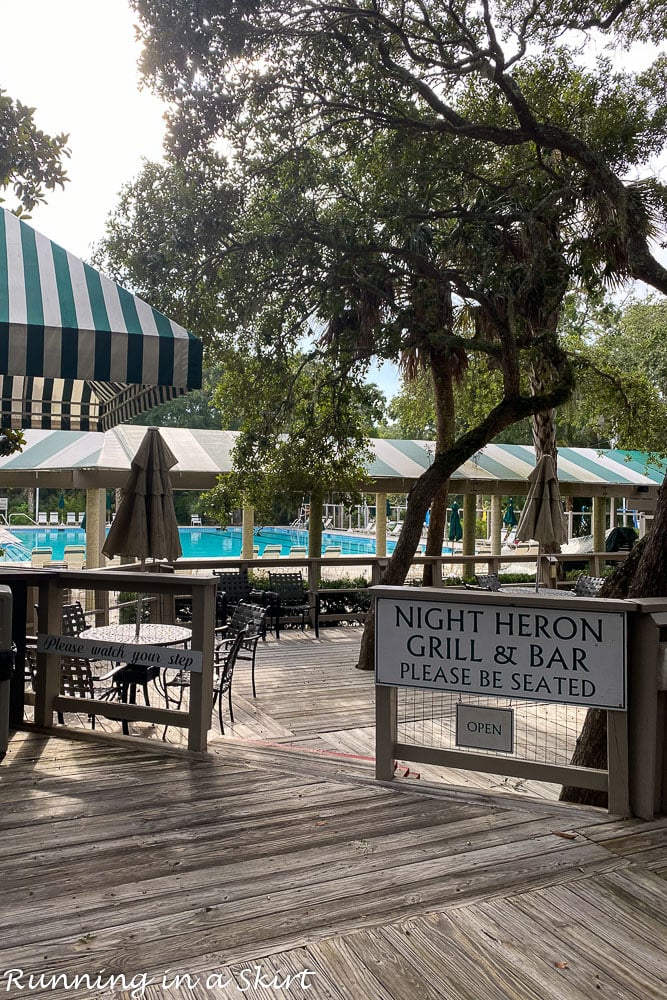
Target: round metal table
[(129, 675), (150, 634)]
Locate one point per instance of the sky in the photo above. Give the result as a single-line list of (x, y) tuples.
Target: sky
[(75, 61)]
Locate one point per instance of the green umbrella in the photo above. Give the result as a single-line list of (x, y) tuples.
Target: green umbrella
[(455, 527), (510, 519)]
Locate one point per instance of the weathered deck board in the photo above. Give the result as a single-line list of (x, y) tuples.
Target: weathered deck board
[(136, 859)]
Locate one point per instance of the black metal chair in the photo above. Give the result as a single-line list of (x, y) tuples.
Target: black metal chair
[(250, 619), (224, 660), (588, 586), (232, 590), (488, 581), (289, 602), (74, 619)]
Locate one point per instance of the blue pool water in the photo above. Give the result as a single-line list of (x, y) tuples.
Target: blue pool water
[(200, 543)]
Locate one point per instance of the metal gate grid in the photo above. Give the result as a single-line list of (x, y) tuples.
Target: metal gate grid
[(544, 732)]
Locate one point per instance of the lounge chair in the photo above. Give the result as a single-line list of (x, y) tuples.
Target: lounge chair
[(298, 552), (75, 556), (195, 521), (41, 517), (272, 551), (41, 555), (80, 516), (327, 523), (333, 550), (53, 517), (71, 518)]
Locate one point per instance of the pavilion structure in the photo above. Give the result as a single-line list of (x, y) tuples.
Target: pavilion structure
[(100, 460)]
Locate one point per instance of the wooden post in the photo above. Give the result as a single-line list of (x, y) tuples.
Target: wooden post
[(599, 521), (496, 515), (469, 523), (386, 731), (646, 705), (248, 532), (49, 622), (201, 684), (380, 524)]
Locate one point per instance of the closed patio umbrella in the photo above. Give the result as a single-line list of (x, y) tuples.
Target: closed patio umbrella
[(510, 519), (145, 524), (455, 526), (542, 518)]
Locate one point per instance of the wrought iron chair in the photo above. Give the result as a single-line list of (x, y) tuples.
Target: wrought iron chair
[(588, 586), (289, 602), (232, 590), (488, 581), (250, 619), (76, 675), (224, 660)]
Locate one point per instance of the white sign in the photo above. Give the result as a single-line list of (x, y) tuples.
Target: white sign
[(485, 728), (538, 653), (138, 655)]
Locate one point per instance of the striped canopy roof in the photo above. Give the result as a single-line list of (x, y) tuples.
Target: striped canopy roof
[(77, 351), (69, 459)]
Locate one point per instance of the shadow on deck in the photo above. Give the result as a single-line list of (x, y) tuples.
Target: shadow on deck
[(149, 862)]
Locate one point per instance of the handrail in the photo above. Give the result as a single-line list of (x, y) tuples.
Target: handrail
[(19, 514)]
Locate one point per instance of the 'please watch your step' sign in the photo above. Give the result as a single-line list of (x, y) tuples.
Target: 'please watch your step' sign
[(535, 652)]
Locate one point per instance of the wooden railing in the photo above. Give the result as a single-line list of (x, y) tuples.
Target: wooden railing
[(51, 586)]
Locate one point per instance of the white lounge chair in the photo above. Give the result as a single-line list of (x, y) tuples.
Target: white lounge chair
[(53, 517), (80, 516), (41, 555), (333, 550), (71, 517), (41, 517), (75, 556), (195, 521), (272, 551), (298, 552)]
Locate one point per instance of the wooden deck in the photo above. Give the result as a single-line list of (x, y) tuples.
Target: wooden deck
[(313, 703), (146, 861)]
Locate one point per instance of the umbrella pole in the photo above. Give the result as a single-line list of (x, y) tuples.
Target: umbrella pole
[(538, 567), (140, 605)]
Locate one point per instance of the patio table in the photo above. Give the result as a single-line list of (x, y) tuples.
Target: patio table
[(128, 675)]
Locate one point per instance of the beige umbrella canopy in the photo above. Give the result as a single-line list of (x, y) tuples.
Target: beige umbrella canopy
[(145, 525), (542, 518)]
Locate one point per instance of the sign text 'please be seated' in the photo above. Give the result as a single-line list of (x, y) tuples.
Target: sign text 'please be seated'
[(544, 654)]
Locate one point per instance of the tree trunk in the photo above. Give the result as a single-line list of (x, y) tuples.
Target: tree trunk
[(509, 411), (643, 574), (544, 428), (445, 412)]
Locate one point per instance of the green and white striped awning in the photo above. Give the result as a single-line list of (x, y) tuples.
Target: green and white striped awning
[(77, 351), (79, 460)]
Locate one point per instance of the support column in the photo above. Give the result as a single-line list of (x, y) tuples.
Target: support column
[(599, 523), (496, 515), (96, 512), (96, 519), (380, 524), (469, 523), (247, 532)]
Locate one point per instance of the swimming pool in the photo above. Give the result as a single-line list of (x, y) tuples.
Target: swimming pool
[(203, 543)]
